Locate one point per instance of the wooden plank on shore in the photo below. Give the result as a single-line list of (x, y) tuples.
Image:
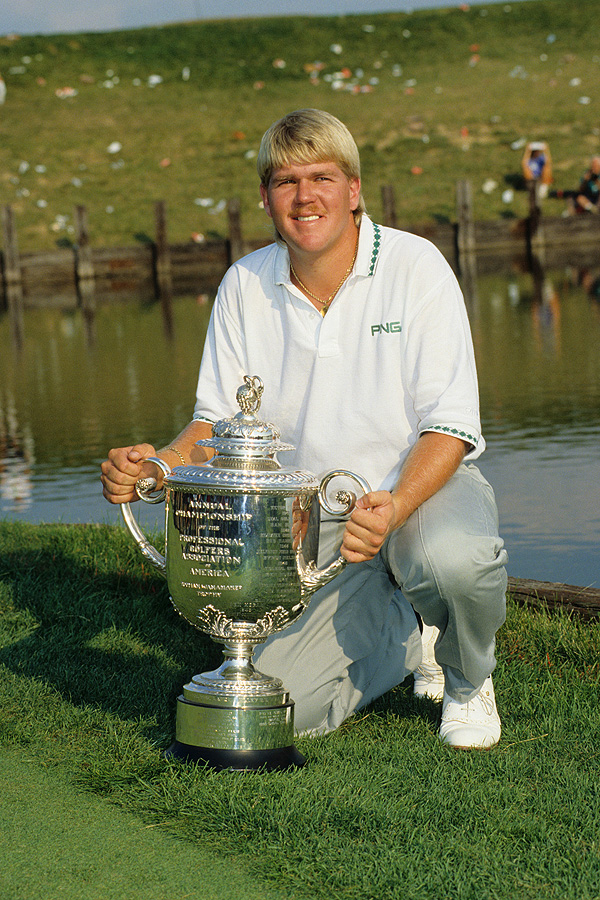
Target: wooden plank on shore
[(49, 279), (572, 230), (583, 601), (505, 234), (124, 272), (86, 273), (50, 259), (198, 267)]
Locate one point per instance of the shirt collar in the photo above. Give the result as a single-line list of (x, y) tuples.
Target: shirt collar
[(369, 246)]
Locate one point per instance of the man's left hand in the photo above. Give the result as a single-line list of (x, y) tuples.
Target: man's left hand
[(374, 517), (433, 459)]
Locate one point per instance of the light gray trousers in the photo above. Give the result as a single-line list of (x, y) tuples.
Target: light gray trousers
[(360, 637)]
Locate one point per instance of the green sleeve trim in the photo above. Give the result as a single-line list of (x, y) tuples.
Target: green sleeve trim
[(455, 432)]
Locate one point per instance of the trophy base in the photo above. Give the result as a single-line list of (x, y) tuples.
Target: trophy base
[(237, 735), (238, 760)]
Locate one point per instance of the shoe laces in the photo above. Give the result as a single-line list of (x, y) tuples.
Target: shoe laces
[(486, 702), (429, 672)]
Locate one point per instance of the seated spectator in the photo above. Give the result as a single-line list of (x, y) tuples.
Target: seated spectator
[(537, 167), (588, 195)]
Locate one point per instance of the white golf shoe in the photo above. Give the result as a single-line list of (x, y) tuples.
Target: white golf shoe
[(472, 725)]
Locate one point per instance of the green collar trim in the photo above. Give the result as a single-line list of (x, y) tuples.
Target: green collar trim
[(376, 247)]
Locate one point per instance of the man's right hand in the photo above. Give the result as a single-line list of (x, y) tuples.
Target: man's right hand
[(124, 466)]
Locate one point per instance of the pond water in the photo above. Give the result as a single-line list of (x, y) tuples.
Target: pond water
[(74, 389)]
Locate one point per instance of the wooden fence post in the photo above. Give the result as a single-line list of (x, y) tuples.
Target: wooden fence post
[(13, 285), (465, 243), (236, 242), (388, 200), (534, 228), (84, 267), (164, 281), (464, 217)]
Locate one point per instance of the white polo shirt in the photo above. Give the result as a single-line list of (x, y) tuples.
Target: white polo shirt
[(392, 358)]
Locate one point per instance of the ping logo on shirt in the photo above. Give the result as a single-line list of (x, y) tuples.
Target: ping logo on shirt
[(386, 328)]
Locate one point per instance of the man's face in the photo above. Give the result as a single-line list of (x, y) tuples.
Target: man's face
[(311, 205)]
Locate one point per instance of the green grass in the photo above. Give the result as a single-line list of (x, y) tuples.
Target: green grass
[(92, 657), (58, 843), (502, 72)]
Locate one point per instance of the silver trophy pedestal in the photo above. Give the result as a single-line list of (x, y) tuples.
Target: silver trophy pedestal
[(236, 718)]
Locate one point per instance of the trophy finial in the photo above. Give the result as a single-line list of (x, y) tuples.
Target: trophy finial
[(249, 394)]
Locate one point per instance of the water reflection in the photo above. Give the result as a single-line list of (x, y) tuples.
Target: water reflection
[(16, 461), (537, 342), (74, 390)]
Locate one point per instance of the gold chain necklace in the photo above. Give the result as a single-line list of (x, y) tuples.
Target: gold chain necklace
[(325, 303)]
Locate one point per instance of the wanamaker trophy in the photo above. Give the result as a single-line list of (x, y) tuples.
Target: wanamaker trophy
[(241, 546)]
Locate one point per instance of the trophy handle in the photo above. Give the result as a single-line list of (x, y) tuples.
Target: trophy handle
[(311, 577), (145, 488), (346, 499)]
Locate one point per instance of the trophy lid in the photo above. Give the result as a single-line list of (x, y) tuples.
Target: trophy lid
[(245, 435), (247, 447)]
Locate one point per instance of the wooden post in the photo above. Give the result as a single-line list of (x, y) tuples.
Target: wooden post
[(534, 210), (388, 201), (535, 231), (163, 278), (465, 243), (236, 242), (84, 268), (464, 216), (583, 601), (13, 285)]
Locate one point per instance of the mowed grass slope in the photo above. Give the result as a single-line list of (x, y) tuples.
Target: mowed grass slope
[(92, 657), (443, 93), (61, 843)]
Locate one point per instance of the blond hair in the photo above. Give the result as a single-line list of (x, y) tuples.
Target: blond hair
[(307, 136)]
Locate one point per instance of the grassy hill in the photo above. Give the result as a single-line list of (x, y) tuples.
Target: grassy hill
[(431, 97)]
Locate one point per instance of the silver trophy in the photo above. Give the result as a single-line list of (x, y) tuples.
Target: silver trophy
[(241, 546)]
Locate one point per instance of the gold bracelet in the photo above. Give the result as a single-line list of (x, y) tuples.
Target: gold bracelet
[(183, 462)]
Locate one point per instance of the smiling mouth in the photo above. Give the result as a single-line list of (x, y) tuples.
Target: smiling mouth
[(312, 218)]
